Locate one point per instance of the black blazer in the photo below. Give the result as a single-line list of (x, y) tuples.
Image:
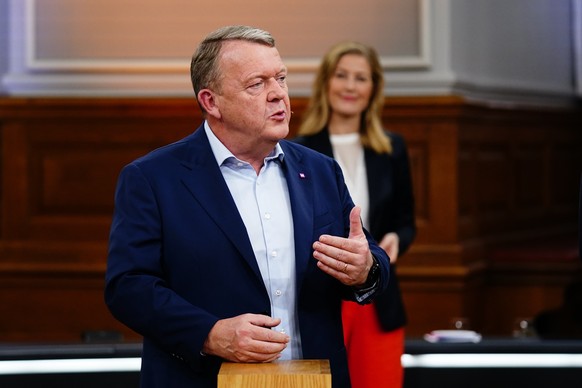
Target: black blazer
[(391, 210)]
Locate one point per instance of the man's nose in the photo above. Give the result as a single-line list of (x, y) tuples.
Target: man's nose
[(277, 91)]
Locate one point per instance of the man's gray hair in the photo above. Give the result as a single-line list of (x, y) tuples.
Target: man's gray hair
[(204, 69)]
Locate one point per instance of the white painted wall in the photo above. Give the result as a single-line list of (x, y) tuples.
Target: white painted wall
[(3, 38), (513, 50), (494, 51)]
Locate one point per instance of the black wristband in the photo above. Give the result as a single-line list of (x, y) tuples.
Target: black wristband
[(373, 274)]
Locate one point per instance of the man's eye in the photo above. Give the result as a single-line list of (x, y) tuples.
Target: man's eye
[(282, 80)]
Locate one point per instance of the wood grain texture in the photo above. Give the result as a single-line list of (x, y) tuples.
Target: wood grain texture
[(482, 177), (279, 374)]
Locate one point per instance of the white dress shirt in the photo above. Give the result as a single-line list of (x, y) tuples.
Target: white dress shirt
[(264, 206)]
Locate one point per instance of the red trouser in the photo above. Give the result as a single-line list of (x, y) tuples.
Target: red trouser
[(373, 354)]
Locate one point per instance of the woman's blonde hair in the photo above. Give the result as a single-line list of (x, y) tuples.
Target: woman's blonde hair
[(317, 115)]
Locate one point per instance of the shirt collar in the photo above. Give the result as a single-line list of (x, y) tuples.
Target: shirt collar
[(221, 153)]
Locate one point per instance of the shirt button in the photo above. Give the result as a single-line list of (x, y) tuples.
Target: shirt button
[(268, 216), (278, 292), (274, 254)]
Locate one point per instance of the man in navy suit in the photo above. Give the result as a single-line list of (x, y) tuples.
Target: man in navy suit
[(232, 243)]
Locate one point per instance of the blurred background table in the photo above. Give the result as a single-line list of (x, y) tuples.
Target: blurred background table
[(493, 362), (499, 363)]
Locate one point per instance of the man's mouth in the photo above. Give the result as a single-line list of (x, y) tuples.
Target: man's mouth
[(279, 115)]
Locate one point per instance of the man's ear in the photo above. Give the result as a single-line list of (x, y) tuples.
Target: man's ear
[(208, 102)]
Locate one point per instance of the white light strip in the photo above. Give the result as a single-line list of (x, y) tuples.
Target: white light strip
[(468, 360), (85, 365), (492, 360)]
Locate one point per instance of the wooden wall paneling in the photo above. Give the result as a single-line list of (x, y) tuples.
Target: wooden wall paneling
[(435, 298), (514, 170), (530, 176), (523, 290), (429, 126), (298, 107), (440, 275), (54, 308), (444, 182), (565, 165), (494, 186), (481, 177), (525, 211), (419, 171), (14, 182), (60, 161)]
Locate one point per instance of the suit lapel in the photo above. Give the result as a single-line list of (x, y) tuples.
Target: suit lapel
[(205, 181), (300, 186)]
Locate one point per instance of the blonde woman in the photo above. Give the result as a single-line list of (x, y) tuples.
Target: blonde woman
[(343, 121)]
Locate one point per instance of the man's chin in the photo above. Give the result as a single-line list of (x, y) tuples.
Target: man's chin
[(280, 131)]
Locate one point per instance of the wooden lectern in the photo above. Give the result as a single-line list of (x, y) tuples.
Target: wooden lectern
[(279, 374)]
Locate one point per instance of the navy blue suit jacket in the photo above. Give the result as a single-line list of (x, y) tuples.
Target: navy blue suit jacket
[(391, 210), (180, 258)]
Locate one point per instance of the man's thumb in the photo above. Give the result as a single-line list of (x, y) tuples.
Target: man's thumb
[(356, 230)]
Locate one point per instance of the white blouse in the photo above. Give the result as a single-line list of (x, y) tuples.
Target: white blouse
[(349, 153)]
